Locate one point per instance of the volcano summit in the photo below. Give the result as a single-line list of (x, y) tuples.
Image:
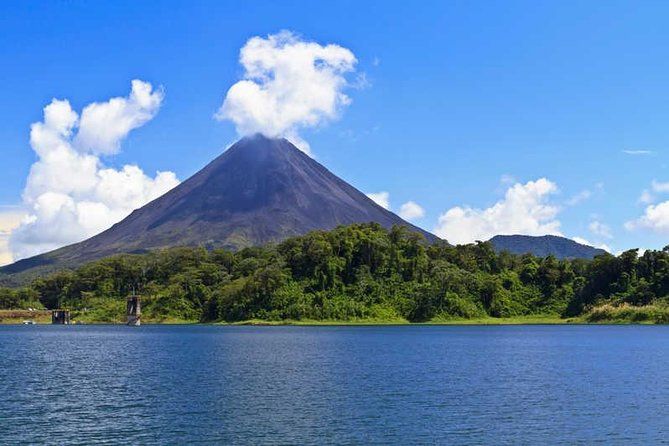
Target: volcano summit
[(260, 190)]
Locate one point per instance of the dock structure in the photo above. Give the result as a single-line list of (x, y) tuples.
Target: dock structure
[(133, 311), (60, 317)]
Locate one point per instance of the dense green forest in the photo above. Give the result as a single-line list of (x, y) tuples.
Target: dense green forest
[(353, 273)]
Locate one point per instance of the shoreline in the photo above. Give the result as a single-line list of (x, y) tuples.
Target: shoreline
[(488, 321)]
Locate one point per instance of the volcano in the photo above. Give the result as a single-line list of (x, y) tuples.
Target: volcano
[(260, 190)]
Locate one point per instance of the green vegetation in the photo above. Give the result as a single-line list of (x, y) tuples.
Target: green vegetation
[(625, 313), (22, 298), (359, 274)]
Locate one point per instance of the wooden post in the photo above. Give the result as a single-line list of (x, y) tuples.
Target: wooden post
[(133, 311), (60, 317)]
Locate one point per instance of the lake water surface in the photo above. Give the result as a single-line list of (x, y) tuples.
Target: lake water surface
[(334, 385)]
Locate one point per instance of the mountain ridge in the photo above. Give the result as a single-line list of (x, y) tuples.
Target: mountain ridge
[(542, 246)]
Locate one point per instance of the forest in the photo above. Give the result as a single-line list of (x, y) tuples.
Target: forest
[(361, 272)]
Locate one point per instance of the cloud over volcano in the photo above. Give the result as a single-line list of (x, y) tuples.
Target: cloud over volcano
[(288, 84)]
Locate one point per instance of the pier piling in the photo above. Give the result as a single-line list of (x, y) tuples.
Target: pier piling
[(60, 317), (133, 311)]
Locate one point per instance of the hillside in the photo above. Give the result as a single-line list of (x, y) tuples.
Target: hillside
[(542, 246)]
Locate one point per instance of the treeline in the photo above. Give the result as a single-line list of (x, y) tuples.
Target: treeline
[(350, 273)]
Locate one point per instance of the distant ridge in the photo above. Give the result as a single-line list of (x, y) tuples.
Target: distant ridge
[(260, 190), (542, 246)]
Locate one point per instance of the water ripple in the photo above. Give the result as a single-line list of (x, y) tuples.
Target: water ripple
[(333, 385)]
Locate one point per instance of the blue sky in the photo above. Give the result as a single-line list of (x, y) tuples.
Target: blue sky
[(462, 100)]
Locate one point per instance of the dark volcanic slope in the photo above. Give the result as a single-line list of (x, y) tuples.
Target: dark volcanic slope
[(560, 247), (260, 190)]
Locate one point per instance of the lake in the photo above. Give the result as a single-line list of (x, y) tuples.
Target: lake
[(334, 385)]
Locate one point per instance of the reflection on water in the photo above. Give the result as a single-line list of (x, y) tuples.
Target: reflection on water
[(307, 385)]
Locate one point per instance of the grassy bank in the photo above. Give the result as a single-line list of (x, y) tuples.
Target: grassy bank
[(18, 316), (603, 314), (14, 317), (93, 317), (628, 314), (112, 315), (519, 320)]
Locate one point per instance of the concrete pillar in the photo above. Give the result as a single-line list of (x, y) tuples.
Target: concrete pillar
[(60, 317), (133, 311)]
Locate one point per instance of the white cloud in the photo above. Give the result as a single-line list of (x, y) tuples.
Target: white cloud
[(655, 218), (70, 195), (600, 229), (288, 84), (525, 209), (660, 187), (9, 220), (583, 241), (579, 197), (656, 188), (103, 125), (646, 197), (411, 211), (380, 198), (638, 152), (507, 179)]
